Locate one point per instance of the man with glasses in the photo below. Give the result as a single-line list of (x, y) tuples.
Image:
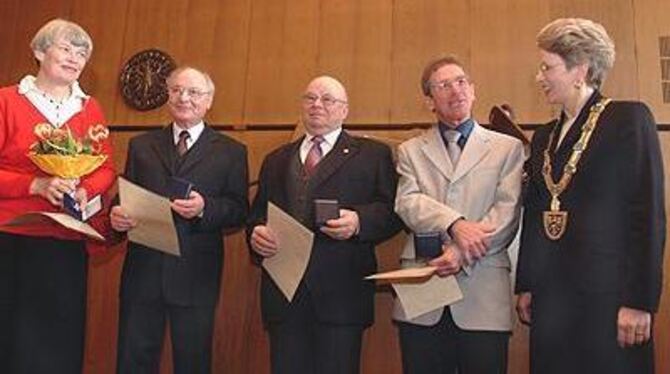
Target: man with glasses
[(320, 331), (462, 182), (157, 287)]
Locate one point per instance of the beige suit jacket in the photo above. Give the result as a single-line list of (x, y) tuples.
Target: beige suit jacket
[(485, 186)]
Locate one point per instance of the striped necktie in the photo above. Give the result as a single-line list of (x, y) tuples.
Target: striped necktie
[(181, 144), (313, 156)]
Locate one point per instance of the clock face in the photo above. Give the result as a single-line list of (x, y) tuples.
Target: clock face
[(142, 79)]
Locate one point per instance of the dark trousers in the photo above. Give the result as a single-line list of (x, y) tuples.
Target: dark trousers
[(302, 344), (445, 348), (42, 304), (141, 331)]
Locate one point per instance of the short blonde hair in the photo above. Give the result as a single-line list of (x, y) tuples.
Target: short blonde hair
[(46, 36), (578, 41)]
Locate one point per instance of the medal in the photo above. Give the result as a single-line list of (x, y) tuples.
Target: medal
[(555, 220)]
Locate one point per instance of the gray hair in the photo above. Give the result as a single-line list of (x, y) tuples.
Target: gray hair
[(208, 80), (578, 41), (57, 28)]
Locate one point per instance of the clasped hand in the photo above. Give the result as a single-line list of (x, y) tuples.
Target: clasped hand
[(54, 188), (344, 227), (450, 262), (472, 238)]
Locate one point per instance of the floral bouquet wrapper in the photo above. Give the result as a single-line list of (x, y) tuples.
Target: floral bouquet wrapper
[(57, 152)]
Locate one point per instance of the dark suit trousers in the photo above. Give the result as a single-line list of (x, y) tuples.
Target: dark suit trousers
[(446, 349), (42, 304), (141, 331), (302, 344)]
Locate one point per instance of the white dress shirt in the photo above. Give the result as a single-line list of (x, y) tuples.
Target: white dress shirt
[(194, 133), (326, 146)]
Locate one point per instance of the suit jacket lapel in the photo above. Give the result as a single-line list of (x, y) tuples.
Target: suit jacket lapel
[(345, 147), (475, 149), (281, 173), (165, 149), (435, 151), (197, 151)]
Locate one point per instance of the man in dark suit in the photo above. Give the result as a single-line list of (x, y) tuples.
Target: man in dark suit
[(320, 331), (184, 290)]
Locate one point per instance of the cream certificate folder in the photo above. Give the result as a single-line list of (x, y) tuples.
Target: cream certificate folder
[(155, 227), (417, 299), (408, 273), (288, 265), (63, 219)]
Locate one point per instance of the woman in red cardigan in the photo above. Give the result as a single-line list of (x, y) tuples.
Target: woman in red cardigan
[(43, 265)]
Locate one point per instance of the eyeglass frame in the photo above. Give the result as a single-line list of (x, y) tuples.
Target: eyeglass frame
[(328, 101), (448, 85), (544, 67), (191, 92)]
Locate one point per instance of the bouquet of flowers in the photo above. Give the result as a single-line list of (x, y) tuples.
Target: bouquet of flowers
[(58, 152)]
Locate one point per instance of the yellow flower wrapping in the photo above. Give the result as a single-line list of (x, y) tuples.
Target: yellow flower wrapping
[(70, 167)]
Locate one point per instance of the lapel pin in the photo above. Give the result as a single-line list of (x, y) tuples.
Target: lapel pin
[(346, 150)]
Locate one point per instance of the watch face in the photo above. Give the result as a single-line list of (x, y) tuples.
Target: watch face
[(142, 79)]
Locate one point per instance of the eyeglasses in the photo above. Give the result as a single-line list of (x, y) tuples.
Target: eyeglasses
[(451, 84), (79, 52), (327, 100), (544, 67), (191, 92)]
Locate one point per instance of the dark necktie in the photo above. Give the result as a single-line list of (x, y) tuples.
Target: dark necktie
[(313, 156), (181, 144)]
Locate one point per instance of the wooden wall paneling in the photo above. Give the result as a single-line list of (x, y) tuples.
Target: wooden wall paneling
[(30, 16), (380, 352), (237, 345), (504, 57), (618, 20), (651, 21), (264, 60), (229, 59), (259, 144), (154, 24), (411, 51), (218, 43), (240, 343), (9, 9), (370, 86), (281, 59), (104, 275), (422, 31), (504, 65), (102, 311), (106, 23), (337, 40)]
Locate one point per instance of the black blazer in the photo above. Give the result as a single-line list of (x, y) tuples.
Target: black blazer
[(217, 166), (360, 174), (616, 226)]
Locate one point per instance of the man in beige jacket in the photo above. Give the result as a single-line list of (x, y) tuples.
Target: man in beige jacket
[(462, 181)]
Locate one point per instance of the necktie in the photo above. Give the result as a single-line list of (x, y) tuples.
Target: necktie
[(453, 148), (181, 144), (313, 156)]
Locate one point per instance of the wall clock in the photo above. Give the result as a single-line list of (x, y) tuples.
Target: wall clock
[(142, 79)]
